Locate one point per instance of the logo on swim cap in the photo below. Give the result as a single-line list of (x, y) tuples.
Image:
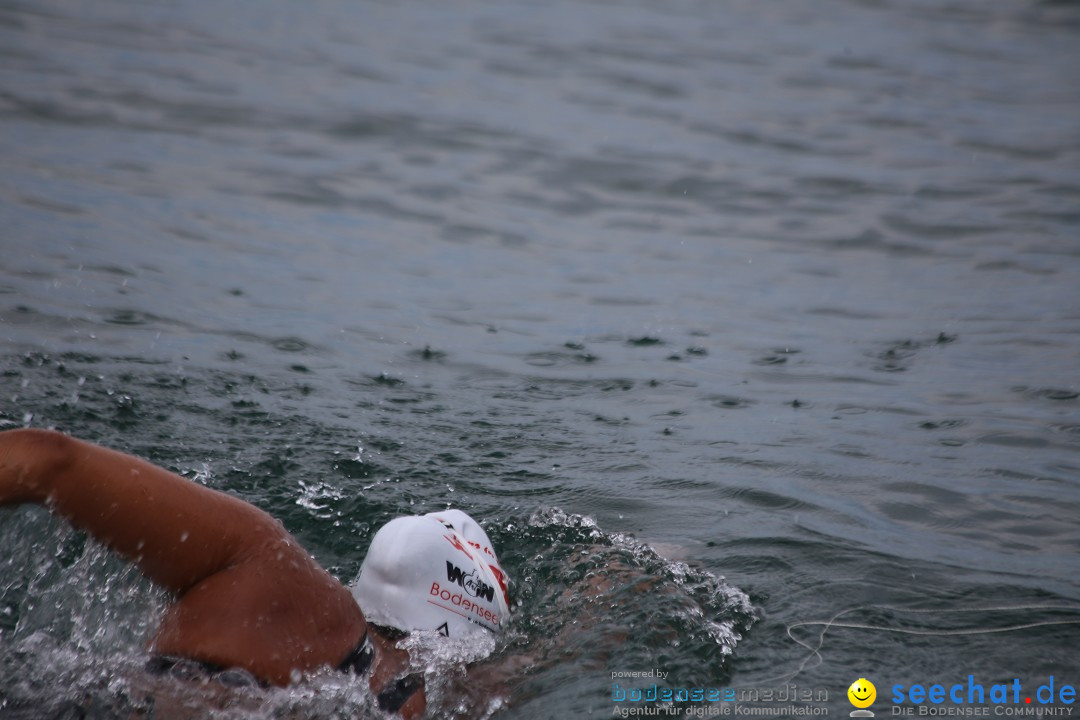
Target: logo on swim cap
[(471, 582), (434, 572)]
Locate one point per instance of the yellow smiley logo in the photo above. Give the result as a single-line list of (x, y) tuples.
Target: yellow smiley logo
[(862, 693)]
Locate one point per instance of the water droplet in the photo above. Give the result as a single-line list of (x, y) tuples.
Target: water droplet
[(184, 536)]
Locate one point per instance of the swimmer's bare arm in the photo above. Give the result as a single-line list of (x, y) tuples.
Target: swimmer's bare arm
[(176, 531), (246, 593)]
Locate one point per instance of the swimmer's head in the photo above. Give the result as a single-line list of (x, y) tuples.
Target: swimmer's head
[(433, 572)]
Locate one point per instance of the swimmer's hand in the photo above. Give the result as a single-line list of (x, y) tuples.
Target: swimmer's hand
[(26, 458)]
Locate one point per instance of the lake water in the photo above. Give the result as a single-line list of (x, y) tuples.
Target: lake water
[(728, 319)]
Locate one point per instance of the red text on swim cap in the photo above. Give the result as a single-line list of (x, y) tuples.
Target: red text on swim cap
[(458, 603)]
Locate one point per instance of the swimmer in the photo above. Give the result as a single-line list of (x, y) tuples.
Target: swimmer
[(244, 594)]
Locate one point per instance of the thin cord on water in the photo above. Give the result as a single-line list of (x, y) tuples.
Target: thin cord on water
[(815, 651)]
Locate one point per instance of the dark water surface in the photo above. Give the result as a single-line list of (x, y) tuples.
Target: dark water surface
[(725, 317)]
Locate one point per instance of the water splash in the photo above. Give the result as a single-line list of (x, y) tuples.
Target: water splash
[(588, 602)]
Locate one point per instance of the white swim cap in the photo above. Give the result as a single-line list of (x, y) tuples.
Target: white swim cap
[(433, 572)]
